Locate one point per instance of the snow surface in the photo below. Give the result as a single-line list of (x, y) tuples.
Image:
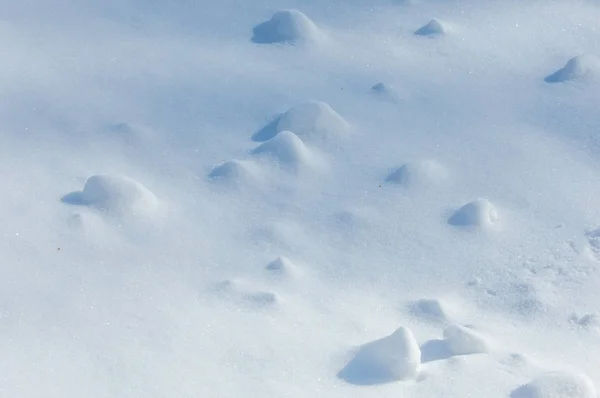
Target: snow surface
[(194, 206)]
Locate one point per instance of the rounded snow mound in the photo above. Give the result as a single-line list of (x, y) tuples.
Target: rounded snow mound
[(419, 173), (313, 119), (431, 309), (395, 357), (432, 28), (479, 213), (286, 148), (233, 172), (115, 194), (461, 340), (286, 26), (557, 385), (576, 68)]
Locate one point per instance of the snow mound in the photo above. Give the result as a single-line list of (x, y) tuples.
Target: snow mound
[(386, 92), (130, 133), (246, 293), (395, 357), (557, 385), (115, 194), (286, 148), (591, 320), (461, 340), (479, 213), (286, 26), (432, 309), (419, 173), (313, 119), (432, 28), (282, 266), (234, 172), (576, 68)]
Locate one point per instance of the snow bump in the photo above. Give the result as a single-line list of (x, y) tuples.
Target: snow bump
[(286, 26), (461, 340), (576, 68), (432, 28), (392, 358), (419, 173), (313, 120), (286, 148), (478, 213), (557, 385), (115, 194)]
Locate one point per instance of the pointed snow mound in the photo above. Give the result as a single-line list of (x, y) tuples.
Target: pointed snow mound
[(576, 68), (395, 357), (461, 340), (419, 173), (433, 28), (384, 91), (286, 26), (479, 213), (281, 265), (313, 120), (557, 385), (115, 194), (233, 172), (286, 148)]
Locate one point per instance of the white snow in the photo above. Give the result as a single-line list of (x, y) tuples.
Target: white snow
[(394, 357), (286, 26), (420, 173), (114, 194), (478, 213), (461, 340), (313, 120), (578, 67), (228, 199), (557, 385), (432, 28)]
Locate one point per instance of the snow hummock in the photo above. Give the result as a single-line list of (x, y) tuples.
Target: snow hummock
[(286, 26), (282, 266), (578, 67), (419, 173), (313, 120), (557, 385), (461, 340), (392, 358), (115, 194), (432, 28), (430, 309), (478, 213), (286, 148), (385, 91), (234, 172)]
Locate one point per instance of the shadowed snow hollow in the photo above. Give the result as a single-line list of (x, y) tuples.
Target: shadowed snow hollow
[(392, 358), (115, 194), (286, 26), (557, 385), (479, 213), (576, 68)]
